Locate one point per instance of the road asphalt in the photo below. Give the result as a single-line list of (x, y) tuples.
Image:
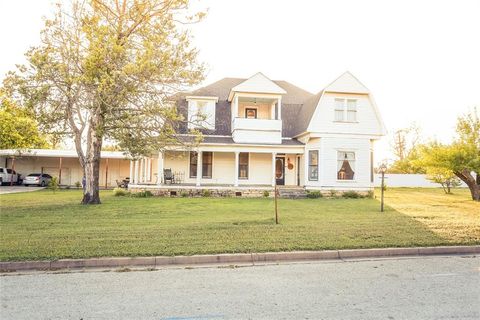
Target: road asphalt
[(433, 287)]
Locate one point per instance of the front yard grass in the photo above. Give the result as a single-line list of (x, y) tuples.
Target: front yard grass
[(43, 225)]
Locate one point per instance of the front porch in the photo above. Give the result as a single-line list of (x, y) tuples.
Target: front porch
[(217, 170)]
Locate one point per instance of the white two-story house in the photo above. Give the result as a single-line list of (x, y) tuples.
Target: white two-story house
[(258, 133)]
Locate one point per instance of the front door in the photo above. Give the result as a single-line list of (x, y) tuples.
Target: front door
[(280, 171)]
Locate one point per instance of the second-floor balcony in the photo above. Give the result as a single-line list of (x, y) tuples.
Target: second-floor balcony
[(256, 118)]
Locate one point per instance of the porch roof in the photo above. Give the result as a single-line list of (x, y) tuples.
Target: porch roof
[(57, 153)]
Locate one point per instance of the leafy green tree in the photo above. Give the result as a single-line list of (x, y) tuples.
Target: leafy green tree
[(18, 130), (107, 70), (461, 158)]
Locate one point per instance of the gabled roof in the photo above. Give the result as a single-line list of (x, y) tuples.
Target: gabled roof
[(258, 83), (347, 83), (306, 113)]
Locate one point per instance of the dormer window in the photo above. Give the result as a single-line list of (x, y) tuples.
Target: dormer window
[(201, 112), (346, 110)]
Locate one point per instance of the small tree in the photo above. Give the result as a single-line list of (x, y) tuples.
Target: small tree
[(18, 128), (53, 184), (445, 177)]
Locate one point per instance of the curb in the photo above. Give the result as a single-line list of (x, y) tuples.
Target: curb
[(242, 258)]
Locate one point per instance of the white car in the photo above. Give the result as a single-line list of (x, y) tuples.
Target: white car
[(8, 175), (37, 179)]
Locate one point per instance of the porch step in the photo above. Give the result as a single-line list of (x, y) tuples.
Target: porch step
[(292, 192)]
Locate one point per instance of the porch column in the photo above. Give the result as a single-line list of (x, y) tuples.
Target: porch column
[(131, 171), (135, 173), (199, 167), (160, 168), (273, 168), (106, 173), (148, 176), (236, 169), (140, 170), (60, 171)]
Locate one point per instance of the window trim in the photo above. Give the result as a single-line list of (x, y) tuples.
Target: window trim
[(248, 166), (345, 110), (310, 165)]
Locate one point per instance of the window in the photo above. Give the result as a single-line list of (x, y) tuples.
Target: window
[(243, 165), (313, 165), (339, 107), (346, 110), (346, 165), (201, 112), (251, 113), (207, 161), (193, 164)]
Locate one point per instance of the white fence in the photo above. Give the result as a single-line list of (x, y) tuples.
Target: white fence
[(407, 180)]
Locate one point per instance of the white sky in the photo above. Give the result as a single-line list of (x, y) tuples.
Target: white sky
[(421, 59)]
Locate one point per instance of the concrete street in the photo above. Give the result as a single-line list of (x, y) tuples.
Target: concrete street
[(401, 288)]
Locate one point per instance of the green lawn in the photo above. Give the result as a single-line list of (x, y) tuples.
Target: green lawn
[(43, 225)]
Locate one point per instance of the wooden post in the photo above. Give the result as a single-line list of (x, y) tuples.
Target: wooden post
[(13, 169), (60, 172), (106, 173), (276, 206)]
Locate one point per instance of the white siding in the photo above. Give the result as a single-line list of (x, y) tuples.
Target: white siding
[(367, 121), (328, 150)]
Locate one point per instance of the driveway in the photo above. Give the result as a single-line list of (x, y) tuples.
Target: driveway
[(18, 189), (402, 288)]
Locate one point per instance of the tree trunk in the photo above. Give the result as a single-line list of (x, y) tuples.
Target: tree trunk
[(467, 177), (478, 178), (91, 193)]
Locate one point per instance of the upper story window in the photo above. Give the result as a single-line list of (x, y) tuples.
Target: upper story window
[(201, 112), (345, 165), (346, 110), (251, 113)]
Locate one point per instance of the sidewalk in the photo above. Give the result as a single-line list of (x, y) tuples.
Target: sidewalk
[(230, 259)]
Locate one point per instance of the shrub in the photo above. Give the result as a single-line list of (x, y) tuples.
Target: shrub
[(266, 194), (184, 194), (53, 184), (142, 194), (314, 194), (370, 194), (78, 185), (206, 193), (120, 192), (351, 195), (333, 193)]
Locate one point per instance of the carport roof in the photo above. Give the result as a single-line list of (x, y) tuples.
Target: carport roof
[(57, 153)]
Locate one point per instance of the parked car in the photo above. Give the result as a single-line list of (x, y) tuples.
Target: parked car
[(39, 179), (9, 175)]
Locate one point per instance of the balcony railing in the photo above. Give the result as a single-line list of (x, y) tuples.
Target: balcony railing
[(257, 130)]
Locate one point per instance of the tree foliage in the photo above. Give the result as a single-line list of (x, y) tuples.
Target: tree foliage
[(18, 129), (108, 69), (462, 157)]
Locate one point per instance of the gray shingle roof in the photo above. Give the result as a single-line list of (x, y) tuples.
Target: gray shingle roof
[(298, 106)]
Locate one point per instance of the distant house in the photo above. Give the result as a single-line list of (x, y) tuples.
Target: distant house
[(257, 133)]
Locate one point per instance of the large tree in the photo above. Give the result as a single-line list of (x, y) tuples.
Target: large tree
[(462, 157), (107, 69), (404, 145)]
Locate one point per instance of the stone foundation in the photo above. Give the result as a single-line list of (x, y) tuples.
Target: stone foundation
[(204, 192)]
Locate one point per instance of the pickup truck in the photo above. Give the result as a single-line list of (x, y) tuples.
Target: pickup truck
[(9, 175)]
